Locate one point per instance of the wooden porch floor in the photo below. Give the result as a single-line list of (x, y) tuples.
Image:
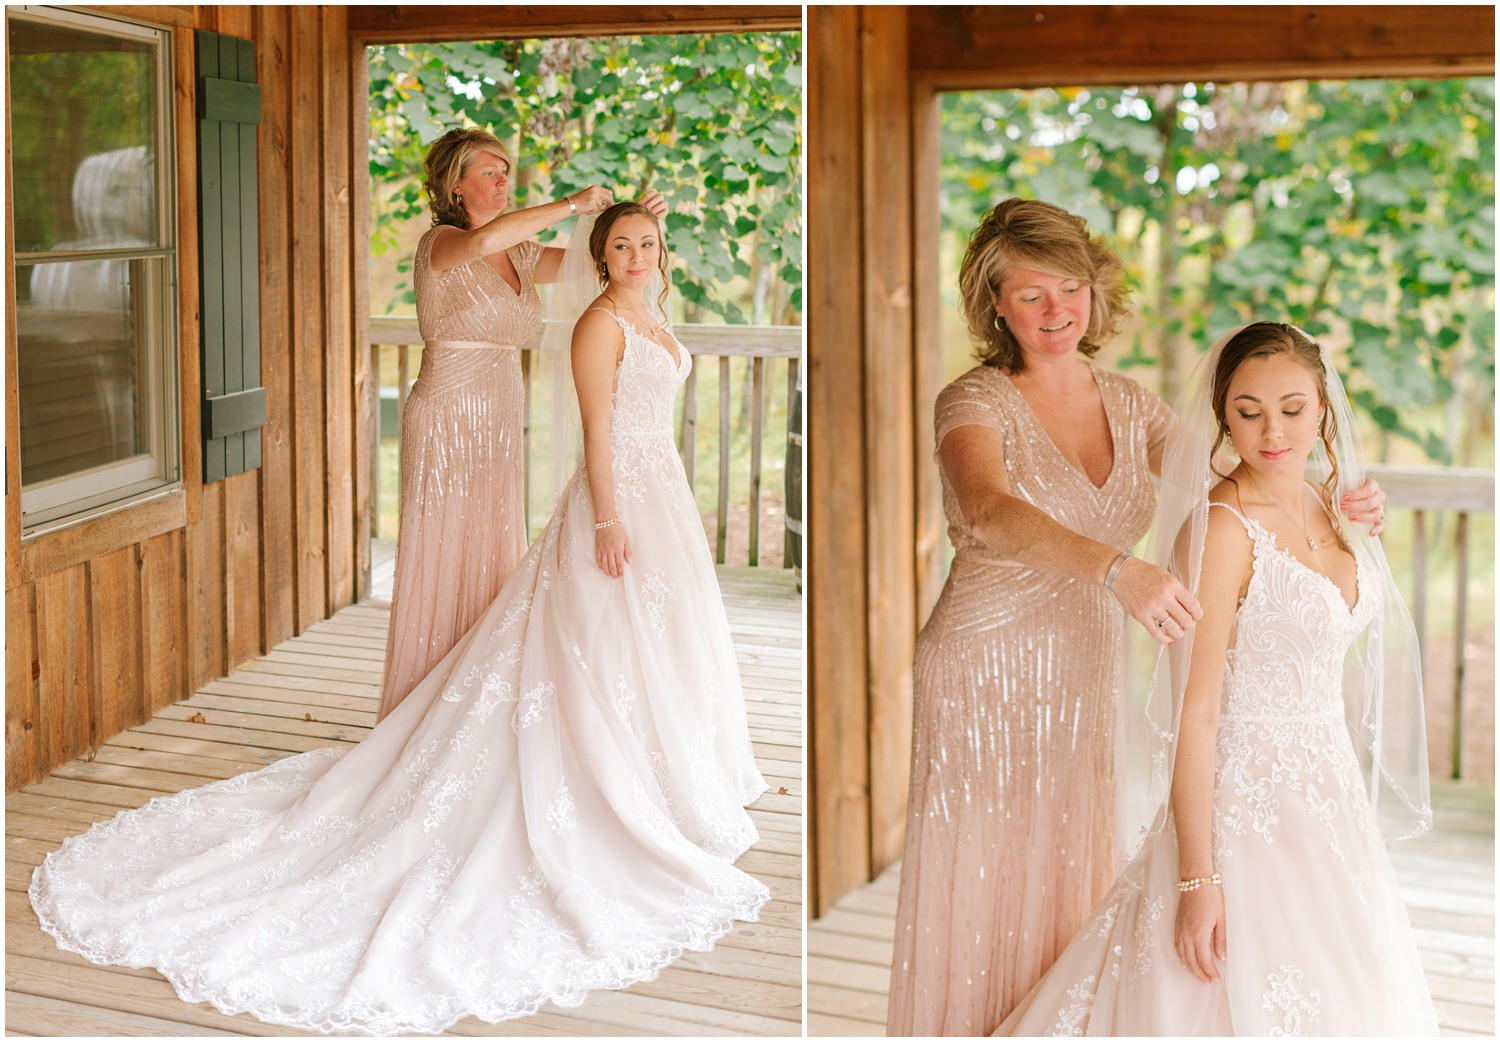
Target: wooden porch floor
[(1446, 876), (321, 689)]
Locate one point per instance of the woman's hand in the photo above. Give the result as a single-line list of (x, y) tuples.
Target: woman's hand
[(612, 549), (654, 202), (592, 199), (1156, 600), (1366, 506), (1200, 932)]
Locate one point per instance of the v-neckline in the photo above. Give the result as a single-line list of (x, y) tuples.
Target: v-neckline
[(1109, 422), (516, 290), (676, 357), (1334, 586)]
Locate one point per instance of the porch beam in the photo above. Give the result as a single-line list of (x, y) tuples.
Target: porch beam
[(974, 48), (410, 23)]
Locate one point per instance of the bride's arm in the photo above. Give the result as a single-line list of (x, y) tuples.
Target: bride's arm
[(461, 245), (598, 345), (973, 457), (1200, 913)]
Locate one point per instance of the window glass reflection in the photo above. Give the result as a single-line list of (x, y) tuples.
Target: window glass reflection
[(83, 130), (83, 331)]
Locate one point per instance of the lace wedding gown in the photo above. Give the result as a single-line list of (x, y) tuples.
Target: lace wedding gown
[(554, 809), (1317, 936)]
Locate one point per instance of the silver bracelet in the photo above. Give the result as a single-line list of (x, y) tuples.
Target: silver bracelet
[(1114, 570), (572, 206)]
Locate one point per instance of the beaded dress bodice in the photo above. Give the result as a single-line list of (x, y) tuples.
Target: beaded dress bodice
[(1118, 512), (471, 302)]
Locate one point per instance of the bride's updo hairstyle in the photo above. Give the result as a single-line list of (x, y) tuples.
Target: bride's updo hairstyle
[(1026, 233), (447, 159), (1267, 340), (599, 242)]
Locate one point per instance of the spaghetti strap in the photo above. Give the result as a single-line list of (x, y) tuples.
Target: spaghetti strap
[(1250, 526), (623, 324)]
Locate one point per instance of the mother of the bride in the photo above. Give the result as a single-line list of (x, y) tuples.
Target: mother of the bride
[(463, 459), (1046, 464)]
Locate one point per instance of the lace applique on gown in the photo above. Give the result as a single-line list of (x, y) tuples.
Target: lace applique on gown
[(1318, 937), (555, 808)]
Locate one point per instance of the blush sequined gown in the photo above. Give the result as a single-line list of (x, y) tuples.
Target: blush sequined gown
[(1010, 824), (555, 808), (463, 458), (1316, 932)]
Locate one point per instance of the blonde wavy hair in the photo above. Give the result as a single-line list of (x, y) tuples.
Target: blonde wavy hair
[(1027, 233), (447, 159)]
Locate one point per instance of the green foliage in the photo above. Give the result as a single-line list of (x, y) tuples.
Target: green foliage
[(1360, 210), (66, 106), (711, 122)]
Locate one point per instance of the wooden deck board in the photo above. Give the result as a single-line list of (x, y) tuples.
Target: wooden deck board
[(1447, 879), (321, 688)]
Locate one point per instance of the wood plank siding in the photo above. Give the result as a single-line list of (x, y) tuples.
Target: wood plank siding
[(875, 77), (114, 618)]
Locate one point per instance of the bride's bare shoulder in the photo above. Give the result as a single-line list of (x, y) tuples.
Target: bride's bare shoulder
[(596, 331), (1226, 492)]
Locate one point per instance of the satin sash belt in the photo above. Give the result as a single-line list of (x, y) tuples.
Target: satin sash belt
[(470, 345)]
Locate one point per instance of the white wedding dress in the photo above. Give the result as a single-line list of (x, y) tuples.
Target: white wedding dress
[(554, 809), (1317, 935)]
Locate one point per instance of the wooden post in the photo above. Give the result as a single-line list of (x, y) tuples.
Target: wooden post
[(304, 188), (340, 408), (1460, 637), (838, 665), (374, 456), (721, 542), (366, 382), (277, 355), (889, 429), (927, 375), (787, 535), (757, 407)]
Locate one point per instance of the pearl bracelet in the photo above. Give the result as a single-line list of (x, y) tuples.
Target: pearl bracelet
[(605, 524), (1114, 570), (1193, 884)]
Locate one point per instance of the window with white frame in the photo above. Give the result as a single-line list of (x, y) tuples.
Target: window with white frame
[(93, 205)]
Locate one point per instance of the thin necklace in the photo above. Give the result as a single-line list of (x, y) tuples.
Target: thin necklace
[(1312, 544), (656, 327)]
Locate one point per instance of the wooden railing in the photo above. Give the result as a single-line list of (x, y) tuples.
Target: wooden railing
[(1435, 497), (766, 348)]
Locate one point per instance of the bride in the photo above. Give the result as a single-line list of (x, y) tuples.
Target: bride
[(555, 808), (1262, 901)]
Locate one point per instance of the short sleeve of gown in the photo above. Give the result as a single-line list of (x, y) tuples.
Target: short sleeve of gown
[(972, 399), (1157, 416), (526, 254)]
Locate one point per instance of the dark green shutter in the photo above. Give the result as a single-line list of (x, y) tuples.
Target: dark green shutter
[(234, 403)]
